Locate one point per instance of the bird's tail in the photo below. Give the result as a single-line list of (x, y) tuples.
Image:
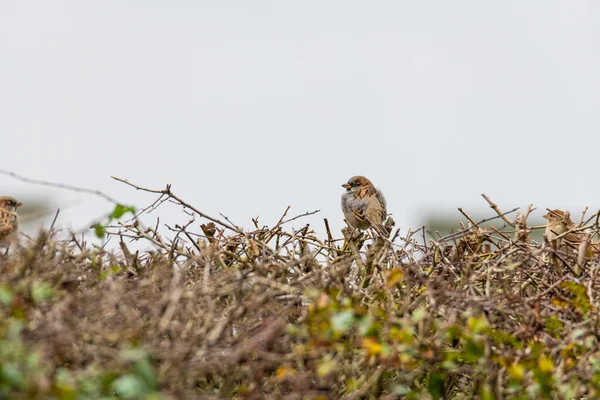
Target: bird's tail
[(382, 230)]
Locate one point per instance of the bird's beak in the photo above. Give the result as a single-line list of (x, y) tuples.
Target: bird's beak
[(19, 204), (346, 186)]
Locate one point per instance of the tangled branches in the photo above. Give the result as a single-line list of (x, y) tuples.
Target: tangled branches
[(222, 312)]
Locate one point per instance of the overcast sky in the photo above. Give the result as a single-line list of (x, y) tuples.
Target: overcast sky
[(246, 107)]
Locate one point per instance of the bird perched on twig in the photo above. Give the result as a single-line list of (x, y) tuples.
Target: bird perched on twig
[(9, 221), (559, 222), (364, 205)]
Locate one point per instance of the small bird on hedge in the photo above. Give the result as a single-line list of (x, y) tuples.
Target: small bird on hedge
[(559, 222), (9, 221), (364, 205)]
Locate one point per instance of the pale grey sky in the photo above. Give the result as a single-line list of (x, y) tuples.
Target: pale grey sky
[(246, 107)]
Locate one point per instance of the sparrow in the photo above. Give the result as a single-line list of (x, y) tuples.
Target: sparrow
[(364, 205), (559, 222), (9, 220)]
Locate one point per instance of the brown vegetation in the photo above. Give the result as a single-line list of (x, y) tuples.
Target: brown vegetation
[(217, 312)]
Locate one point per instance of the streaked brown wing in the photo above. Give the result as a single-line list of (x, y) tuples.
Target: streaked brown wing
[(7, 223), (382, 202), (360, 215), (376, 213)]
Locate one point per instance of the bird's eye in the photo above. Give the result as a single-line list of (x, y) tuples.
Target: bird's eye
[(11, 203)]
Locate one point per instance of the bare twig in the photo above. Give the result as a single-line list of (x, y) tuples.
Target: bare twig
[(167, 191), (495, 208), (60, 186)]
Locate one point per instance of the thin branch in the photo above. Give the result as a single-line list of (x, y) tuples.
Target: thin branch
[(495, 208), (167, 191), (60, 186), (299, 216)]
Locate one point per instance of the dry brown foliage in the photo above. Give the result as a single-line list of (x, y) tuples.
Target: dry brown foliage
[(280, 313)]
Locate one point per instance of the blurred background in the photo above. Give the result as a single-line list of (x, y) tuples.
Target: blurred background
[(246, 108)]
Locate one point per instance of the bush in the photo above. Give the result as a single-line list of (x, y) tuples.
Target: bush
[(285, 314)]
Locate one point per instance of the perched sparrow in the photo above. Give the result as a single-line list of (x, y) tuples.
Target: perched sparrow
[(560, 222), (9, 220), (364, 205)]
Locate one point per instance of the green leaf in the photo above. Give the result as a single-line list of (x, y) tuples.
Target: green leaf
[(64, 385), (10, 374), (401, 390), (326, 366), (100, 230), (342, 321), (435, 385), (6, 295), (117, 212), (486, 392), (477, 324), (142, 366), (121, 210), (418, 314), (144, 371), (41, 291), (473, 350), (14, 330), (554, 326), (32, 360), (368, 327), (129, 386), (581, 300)]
